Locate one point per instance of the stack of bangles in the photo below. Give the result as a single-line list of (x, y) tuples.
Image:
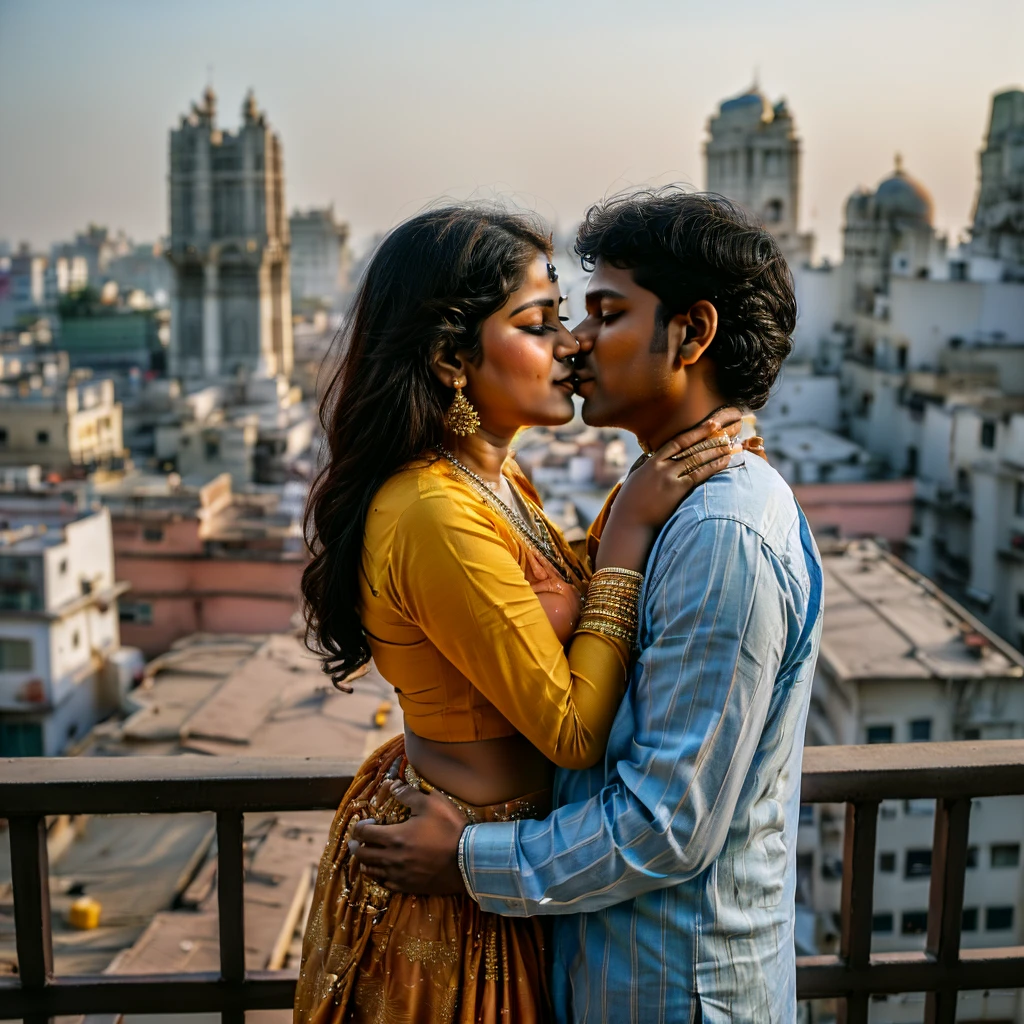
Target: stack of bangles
[(612, 605), (687, 458)]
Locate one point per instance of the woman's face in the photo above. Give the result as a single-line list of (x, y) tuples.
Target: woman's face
[(523, 377)]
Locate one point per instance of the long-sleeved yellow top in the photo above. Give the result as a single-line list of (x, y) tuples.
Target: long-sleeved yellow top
[(456, 627)]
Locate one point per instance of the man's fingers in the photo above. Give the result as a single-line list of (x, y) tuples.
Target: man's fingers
[(368, 831), (412, 796)]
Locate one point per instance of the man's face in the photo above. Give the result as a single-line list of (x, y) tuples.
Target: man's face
[(624, 370)]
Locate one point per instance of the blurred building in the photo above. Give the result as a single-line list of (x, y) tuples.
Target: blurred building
[(753, 157), (998, 230), (61, 664), (60, 424), (901, 662), (231, 300), (202, 558), (320, 259), (115, 340), (22, 286)]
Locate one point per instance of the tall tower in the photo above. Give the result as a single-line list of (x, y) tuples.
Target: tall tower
[(753, 157), (999, 212), (231, 304)]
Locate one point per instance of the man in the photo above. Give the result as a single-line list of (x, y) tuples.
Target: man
[(670, 867)]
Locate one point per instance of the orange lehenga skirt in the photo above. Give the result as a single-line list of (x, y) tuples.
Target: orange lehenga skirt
[(373, 956)]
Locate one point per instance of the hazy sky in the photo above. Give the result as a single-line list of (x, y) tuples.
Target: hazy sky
[(384, 105)]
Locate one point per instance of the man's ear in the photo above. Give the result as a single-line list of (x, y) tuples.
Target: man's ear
[(448, 368), (690, 333)]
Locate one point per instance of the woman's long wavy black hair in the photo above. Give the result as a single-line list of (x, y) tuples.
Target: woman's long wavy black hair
[(428, 287)]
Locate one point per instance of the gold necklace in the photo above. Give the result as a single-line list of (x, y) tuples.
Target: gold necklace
[(540, 540)]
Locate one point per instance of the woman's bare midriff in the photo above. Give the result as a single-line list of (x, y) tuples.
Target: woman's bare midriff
[(481, 772)]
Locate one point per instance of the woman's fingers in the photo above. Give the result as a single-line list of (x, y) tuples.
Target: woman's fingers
[(725, 420), (706, 470)]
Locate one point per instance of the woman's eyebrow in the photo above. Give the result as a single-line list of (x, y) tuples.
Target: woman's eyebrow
[(533, 302)]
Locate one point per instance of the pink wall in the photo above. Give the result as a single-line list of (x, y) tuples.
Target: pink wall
[(875, 508), (216, 595)]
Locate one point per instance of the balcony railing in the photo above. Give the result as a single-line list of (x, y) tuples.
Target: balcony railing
[(861, 777)]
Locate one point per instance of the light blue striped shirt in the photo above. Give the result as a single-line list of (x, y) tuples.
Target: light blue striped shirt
[(671, 864)]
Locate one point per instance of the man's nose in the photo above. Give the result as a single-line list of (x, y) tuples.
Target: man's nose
[(584, 335)]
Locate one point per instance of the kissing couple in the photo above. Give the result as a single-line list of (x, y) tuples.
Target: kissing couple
[(592, 814)]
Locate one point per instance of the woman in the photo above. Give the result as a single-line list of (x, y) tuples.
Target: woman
[(432, 554)]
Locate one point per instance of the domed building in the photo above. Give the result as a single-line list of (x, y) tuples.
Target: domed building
[(887, 231), (753, 157)]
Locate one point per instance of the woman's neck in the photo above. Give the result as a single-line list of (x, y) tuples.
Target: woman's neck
[(483, 452)]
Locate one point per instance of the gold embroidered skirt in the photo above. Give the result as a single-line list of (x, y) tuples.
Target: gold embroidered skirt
[(375, 957)]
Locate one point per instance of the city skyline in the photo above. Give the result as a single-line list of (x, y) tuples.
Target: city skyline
[(383, 111)]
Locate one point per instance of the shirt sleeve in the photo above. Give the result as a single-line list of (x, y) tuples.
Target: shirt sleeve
[(718, 627), (457, 579)]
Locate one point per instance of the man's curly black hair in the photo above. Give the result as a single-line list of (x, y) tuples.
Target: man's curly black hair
[(688, 246)]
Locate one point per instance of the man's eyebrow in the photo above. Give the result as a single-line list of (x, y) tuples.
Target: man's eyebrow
[(533, 302), (603, 293)]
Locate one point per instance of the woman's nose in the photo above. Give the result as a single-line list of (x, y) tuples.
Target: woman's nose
[(565, 344)]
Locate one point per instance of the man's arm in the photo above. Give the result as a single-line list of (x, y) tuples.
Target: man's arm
[(719, 626)]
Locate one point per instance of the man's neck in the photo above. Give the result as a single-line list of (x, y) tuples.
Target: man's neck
[(677, 419)]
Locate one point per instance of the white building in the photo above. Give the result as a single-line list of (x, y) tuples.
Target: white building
[(61, 665), (59, 423), (321, 260), (901, 662), (753, 157)]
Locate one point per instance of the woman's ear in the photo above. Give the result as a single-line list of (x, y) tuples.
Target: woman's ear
[(690, 333), (448, 368)]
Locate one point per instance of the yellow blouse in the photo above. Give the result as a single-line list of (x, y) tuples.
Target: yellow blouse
[(455, 626)]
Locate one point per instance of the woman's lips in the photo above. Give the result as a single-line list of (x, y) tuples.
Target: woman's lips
[(565, 384)]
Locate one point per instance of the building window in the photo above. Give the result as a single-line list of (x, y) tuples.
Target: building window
[(887, 863), (76, 638), (918, 864), (881, 922), (1020, 500), (152, 533), (911, 461), (63, 566), (915, 922), (807, 814), (998, 919), (42, 437), (3, 437), (988, 434), (15, 655), (963, 481), (971, 732), (212, 448), (969, 921), (901, 357), (138, 612), (1020, 605), (920, 730), (879, 734), (919, 806), (972, 856), (1005, 855)]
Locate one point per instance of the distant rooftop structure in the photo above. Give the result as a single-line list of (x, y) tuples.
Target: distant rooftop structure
[(884, 621)]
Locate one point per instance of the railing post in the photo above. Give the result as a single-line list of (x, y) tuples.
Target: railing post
[(946, 902), (858, 899), (231, 903), (30, 879)]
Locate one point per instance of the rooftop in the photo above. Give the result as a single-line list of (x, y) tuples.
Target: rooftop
[(883, 621)]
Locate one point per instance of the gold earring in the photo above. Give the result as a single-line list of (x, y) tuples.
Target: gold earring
[(462, 417)]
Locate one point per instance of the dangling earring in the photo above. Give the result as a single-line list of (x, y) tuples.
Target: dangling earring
[(462, 417)]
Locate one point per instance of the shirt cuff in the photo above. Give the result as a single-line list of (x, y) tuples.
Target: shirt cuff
[(490, 869)]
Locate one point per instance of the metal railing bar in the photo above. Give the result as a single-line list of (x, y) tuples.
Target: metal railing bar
[(826, 977), (946, 900), (30, 879), (858, 891), (119, 785), (231, 895), (202, 992), (912, 771), (111, 785)]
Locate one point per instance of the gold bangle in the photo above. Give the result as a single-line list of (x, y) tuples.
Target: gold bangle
[(607, 629), (614, 570)]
